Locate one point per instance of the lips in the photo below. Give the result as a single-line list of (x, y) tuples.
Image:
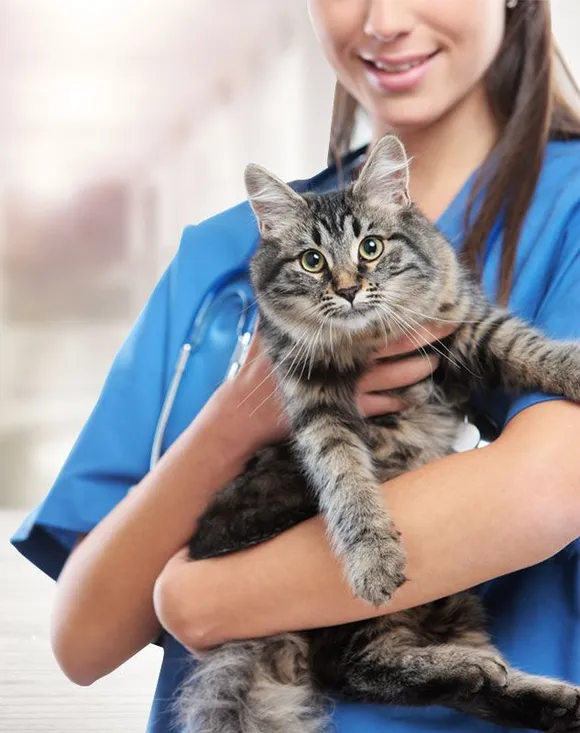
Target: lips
[(398, 65), (397, 74)]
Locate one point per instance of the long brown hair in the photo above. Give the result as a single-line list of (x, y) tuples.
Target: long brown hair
[(526, 92)]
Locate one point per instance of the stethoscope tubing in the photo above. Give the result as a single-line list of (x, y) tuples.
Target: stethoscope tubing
[(246, 323)]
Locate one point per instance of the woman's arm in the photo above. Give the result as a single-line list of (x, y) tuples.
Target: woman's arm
[(103, 612), (464, 520)]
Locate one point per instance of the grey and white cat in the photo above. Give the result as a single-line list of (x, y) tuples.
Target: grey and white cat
[(334, 274)]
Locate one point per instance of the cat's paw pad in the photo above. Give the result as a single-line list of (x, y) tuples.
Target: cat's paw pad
[(375, 567)]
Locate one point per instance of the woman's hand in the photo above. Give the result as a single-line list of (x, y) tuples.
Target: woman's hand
[(409, 368), (250, 404)]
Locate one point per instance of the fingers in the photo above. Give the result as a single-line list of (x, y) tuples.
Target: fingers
[(371, 399), (398, 374), (424, 335), (378, 404)]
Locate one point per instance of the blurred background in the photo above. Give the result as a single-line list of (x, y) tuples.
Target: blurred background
[(122, 122)]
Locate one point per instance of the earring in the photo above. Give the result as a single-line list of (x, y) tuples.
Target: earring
[(511, 4)]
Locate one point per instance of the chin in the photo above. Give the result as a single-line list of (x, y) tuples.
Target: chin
[(404, 114), (355, 321)]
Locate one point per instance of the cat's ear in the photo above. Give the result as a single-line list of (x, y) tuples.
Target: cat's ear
[(272, 200), (384, 178)]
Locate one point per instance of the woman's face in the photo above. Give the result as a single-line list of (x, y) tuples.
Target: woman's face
[(409, 62)]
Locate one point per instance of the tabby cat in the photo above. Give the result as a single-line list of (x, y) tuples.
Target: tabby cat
[(334, 275)]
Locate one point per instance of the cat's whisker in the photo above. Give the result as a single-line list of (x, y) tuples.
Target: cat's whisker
[(308, 353), (301, 355), (331, 340), (263, 402), (296, 361), (313, 354), (248, 362), (458, 364), (449, 356), (274, 369), (304, 354), (384, 327), (434, 318), (413, 339), (417, 343), (404, 327), (247, 308), (394, 307), (303, 345)]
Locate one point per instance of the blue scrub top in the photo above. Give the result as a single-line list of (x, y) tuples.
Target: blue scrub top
[(533, 614)]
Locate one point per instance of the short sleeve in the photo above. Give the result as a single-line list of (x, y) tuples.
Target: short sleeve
[(111, 453), (559, 313)]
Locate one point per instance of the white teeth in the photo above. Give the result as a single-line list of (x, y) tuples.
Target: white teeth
[(397, 68)]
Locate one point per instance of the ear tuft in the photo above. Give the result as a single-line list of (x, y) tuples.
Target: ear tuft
[(272, 200), (384, 178)]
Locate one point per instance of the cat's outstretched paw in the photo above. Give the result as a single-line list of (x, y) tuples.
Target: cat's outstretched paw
[(543, 703), (375, 566), (558, 706)]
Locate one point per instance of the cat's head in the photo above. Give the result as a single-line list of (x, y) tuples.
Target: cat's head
[(349, 259)]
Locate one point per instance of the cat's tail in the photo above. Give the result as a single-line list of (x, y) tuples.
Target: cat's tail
[(501, 350), (257, 686)]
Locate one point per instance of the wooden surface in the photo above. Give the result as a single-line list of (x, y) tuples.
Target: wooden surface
[(34, 693)]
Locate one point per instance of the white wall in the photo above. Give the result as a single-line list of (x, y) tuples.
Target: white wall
[(279, 117)]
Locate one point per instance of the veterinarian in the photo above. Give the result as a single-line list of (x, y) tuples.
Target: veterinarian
[(468, 87)]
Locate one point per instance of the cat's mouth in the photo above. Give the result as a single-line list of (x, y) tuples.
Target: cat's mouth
[(355, 310), (349, 316)]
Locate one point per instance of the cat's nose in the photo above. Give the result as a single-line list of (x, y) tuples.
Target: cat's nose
[(348, 293)]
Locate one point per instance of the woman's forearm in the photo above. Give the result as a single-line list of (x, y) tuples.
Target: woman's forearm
[(464, 520), (103, 611)]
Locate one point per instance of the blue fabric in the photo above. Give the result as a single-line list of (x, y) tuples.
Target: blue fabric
[(533, 614)]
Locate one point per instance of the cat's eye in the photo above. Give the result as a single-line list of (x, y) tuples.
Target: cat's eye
[(371, 248), (313, 261)]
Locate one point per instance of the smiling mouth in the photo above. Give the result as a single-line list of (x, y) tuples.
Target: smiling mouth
[(401, 67)]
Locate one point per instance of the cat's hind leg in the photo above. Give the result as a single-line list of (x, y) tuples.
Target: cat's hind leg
[(437, 674), (474, 680)]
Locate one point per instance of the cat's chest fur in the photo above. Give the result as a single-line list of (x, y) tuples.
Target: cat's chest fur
[(326, 380), (423, 433)]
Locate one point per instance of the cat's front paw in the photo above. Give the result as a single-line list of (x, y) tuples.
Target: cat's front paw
[(375, 566), (554, 704)]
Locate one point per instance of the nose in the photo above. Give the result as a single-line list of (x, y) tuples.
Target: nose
[(348, 293), (388, 19)]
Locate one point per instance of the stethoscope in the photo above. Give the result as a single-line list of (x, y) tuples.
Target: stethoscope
[(237, 287)]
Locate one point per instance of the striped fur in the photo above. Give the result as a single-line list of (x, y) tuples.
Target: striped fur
[(320, 342), (252, 686)]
